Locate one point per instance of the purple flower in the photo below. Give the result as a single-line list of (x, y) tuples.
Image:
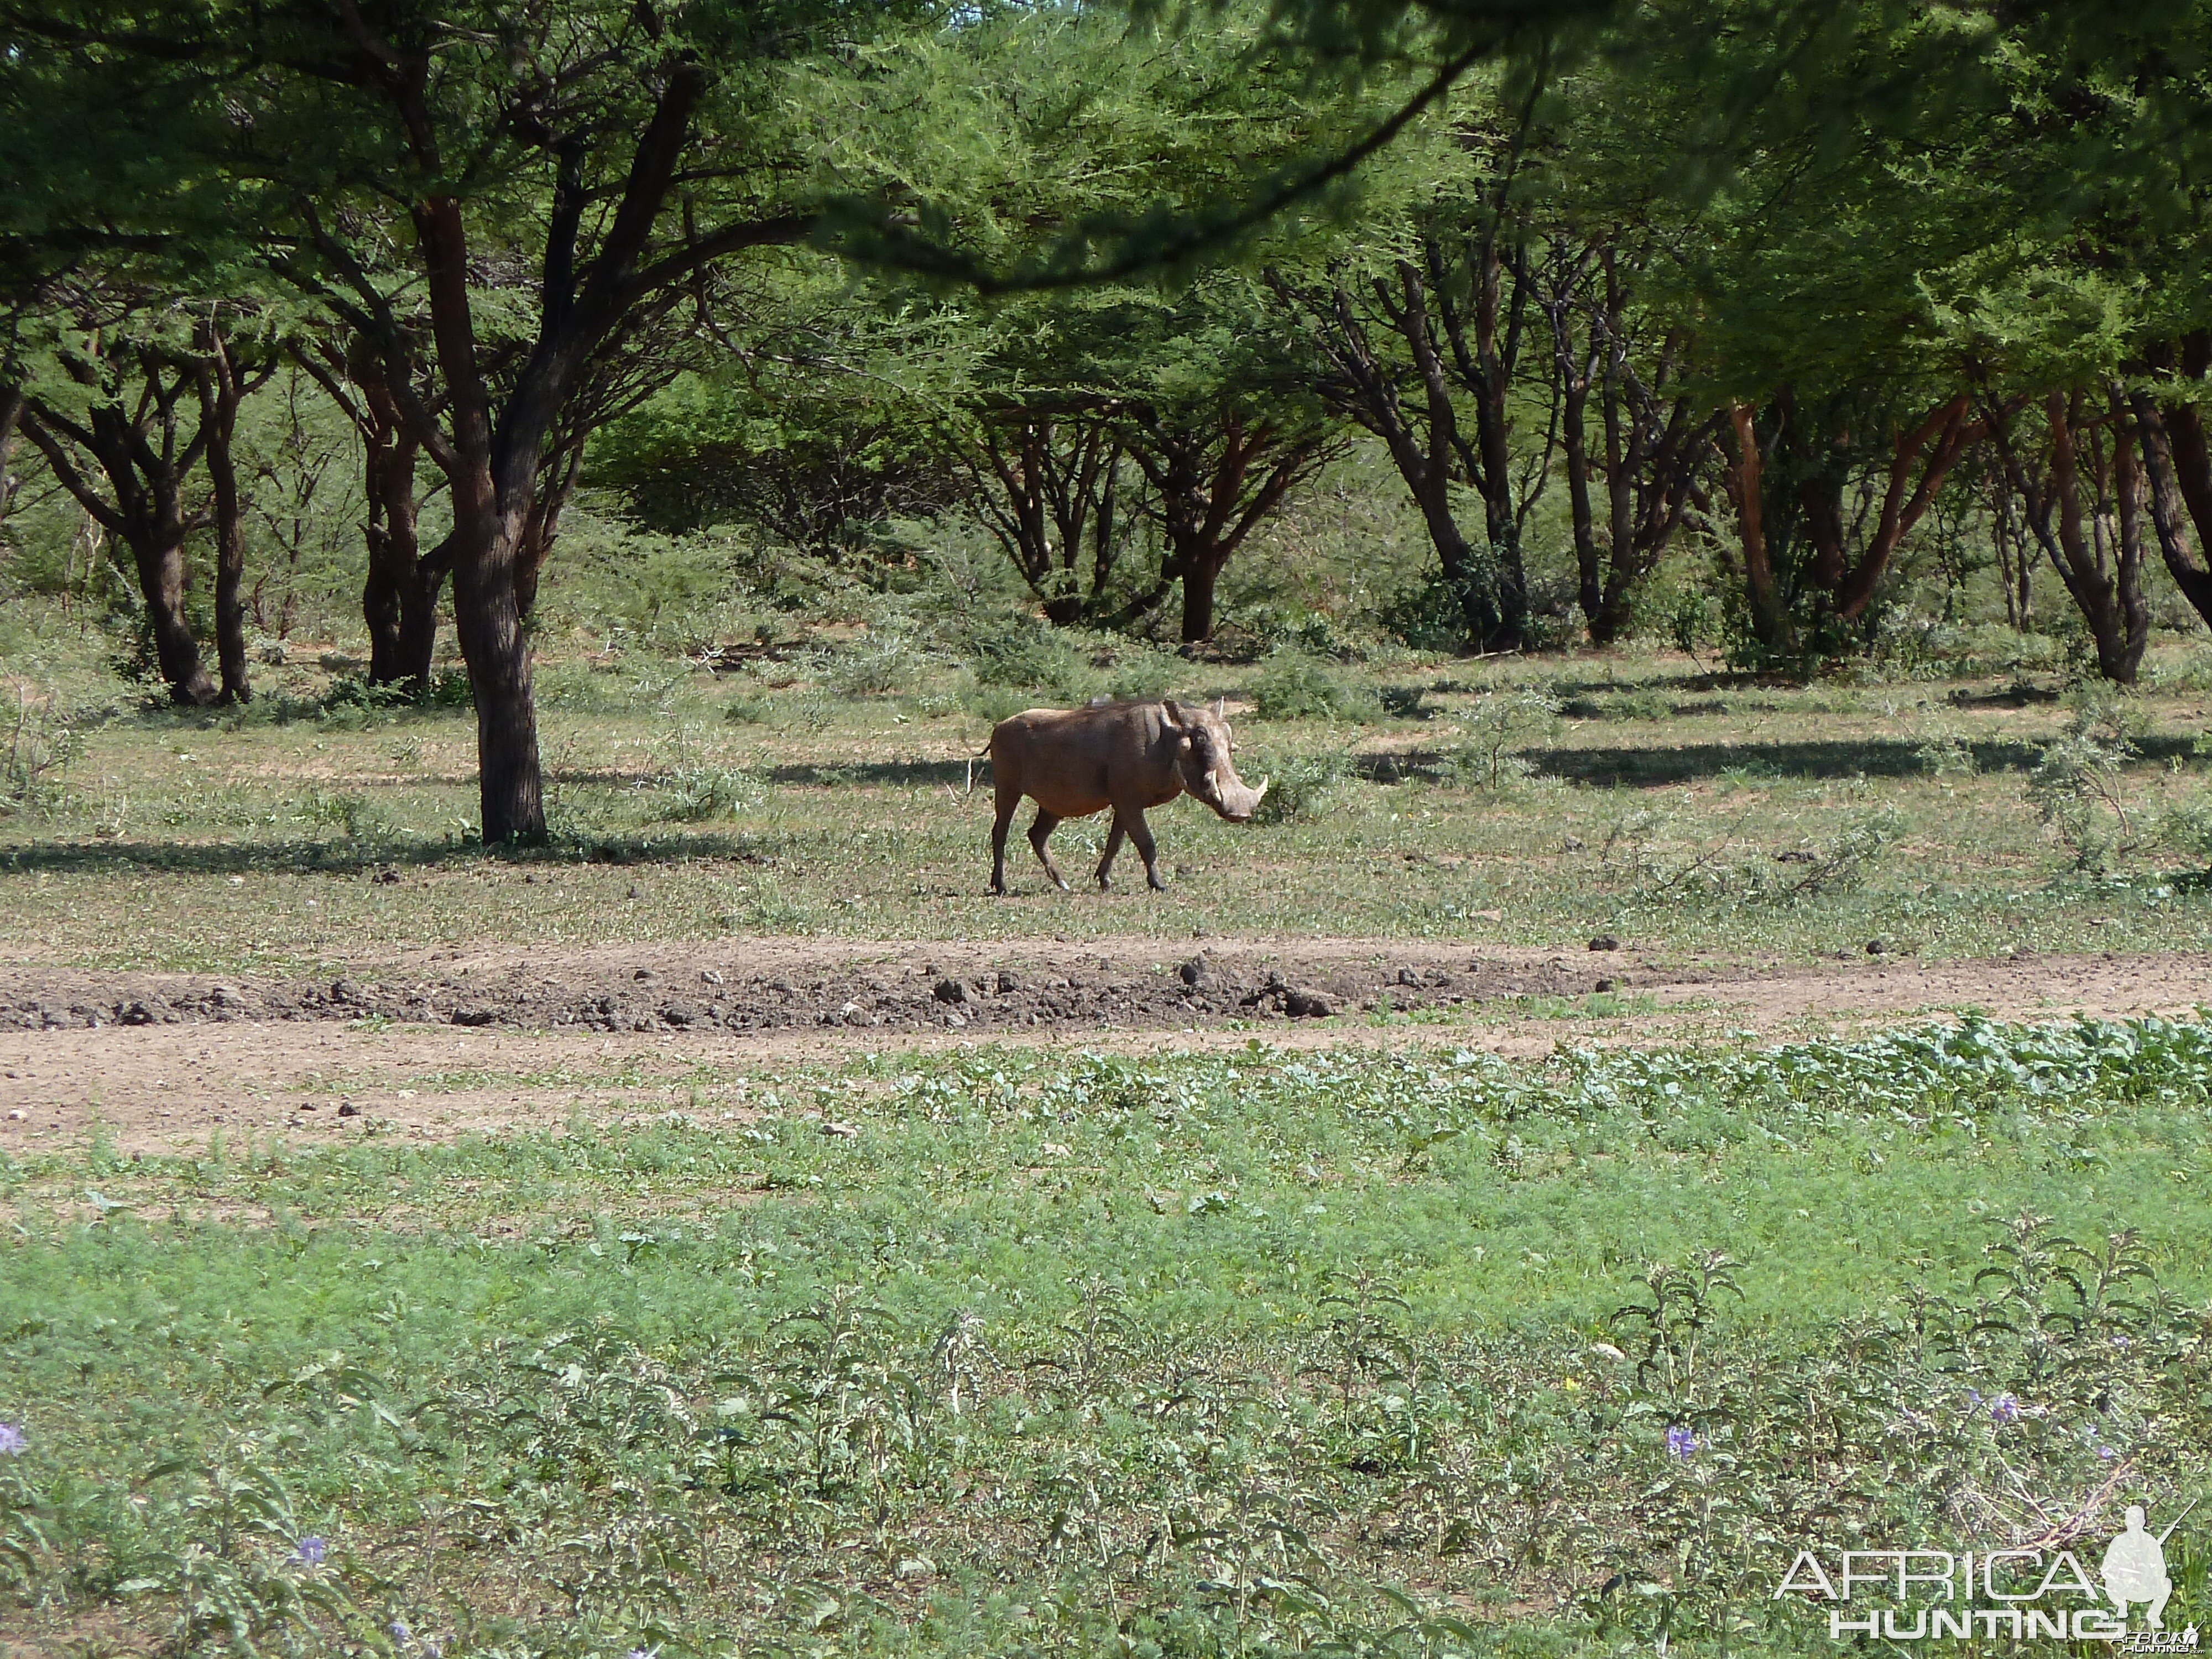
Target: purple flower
[(11, 1440), (2106, 1453), (2120, 1342), (1681, 1443), (312, 1551), (400, 1633), (2004, 1409)]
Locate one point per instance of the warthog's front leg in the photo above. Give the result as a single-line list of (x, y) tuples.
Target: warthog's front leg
[(1113, 847), (1040, 832), (1140, 833)]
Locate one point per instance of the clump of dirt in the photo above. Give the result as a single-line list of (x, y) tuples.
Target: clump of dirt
[(931, 986)]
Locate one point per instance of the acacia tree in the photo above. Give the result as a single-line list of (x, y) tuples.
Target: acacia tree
[(126, 405), (399, 593), (1046, 481), (2077, 474), (1454, 310), (1651, 446), (132, 430), (1082, 414), (1217, 471), (596, 157)]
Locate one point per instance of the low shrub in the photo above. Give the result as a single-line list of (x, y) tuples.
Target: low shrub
[(1294, 685), (1299, 787)]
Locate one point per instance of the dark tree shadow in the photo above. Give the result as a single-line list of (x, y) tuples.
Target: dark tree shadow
[(894, 774), (1655, 768), (384, 857)]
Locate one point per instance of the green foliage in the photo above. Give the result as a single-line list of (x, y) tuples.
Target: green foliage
[(2076, 786), (1022, 653), (1384, 1287), (877, 663), (1299, 785), (1293, 685), (1500, 724)]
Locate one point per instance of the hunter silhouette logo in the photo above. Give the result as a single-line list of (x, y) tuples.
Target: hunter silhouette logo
[(2035, 1590), (2135, 1568)]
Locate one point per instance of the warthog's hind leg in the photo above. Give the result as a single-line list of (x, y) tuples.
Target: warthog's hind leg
[(1039, 833), (1007, 801)]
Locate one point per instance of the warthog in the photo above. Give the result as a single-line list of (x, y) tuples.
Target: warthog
[(1127, 756)]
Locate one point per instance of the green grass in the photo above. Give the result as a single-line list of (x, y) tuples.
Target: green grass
[(1045, 1353), (1700, 814)]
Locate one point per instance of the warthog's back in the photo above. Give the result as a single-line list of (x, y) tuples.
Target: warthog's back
[(1074, 761)]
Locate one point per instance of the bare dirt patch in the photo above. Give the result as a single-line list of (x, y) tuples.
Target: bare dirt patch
[(454, 1041)]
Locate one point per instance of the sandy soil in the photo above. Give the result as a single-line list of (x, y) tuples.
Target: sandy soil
[(440, 1043)]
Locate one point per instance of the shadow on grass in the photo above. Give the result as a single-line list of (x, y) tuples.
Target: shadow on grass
[(955, 775), (375, 859), (1656, 766)]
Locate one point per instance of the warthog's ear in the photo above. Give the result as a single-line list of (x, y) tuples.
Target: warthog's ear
[(1220, 707), (1174, 711)]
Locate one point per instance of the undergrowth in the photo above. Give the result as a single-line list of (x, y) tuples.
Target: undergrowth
[(1255, 1353)]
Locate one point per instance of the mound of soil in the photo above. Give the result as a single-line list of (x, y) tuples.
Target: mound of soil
[(958, 987)]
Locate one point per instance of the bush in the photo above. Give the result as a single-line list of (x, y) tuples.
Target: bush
[(1500, 723), (1426, 617), (1020, 652), (1291, 685), (994, 703), (698, 792), (1143, 673), (748, 708), (2076, 787), (874, 665), (1298, 788)]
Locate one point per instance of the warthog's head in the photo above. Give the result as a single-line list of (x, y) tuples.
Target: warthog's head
[(1204, 760)]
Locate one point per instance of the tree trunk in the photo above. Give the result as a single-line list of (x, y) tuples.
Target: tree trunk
[(541, 526), (157, 550), (417, 640), (1943, 433), (229, 576), (145, 515), (389, 530), (2162, 450), (2109, 596), (489, 627), (2133, 607), (1589, 571), (221, 393), (1769, 625), (1200, 575)]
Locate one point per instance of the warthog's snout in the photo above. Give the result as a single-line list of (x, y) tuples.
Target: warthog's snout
[(1239, 802)]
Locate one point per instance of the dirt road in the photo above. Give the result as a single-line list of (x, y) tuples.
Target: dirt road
[(443, 1042)]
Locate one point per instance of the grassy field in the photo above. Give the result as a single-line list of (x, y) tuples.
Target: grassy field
[(1022, 1353), (1523, 801), (870, 1346)]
